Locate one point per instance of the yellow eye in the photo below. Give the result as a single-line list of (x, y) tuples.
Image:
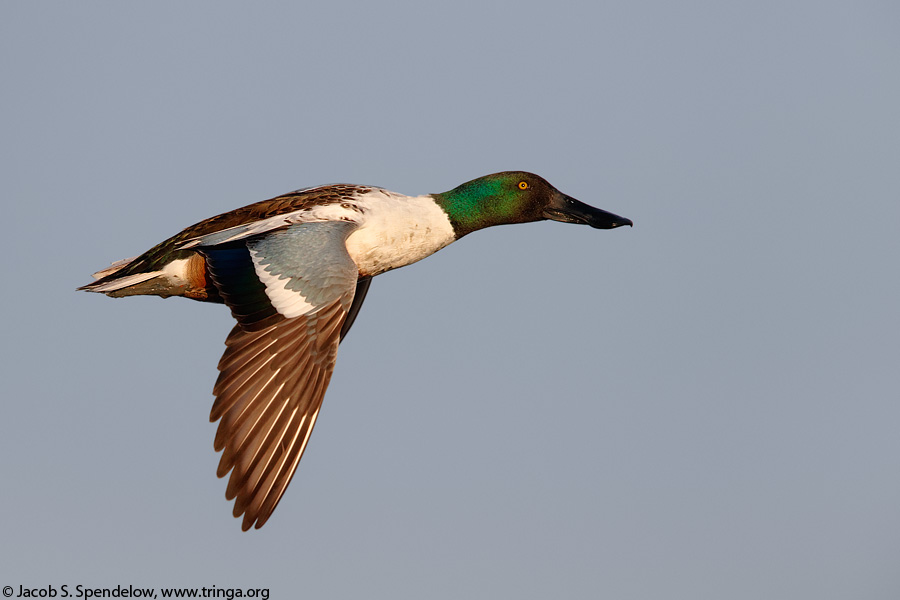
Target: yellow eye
[(523, 185)]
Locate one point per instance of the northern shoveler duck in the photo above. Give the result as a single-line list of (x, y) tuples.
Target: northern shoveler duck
[(294, 271)]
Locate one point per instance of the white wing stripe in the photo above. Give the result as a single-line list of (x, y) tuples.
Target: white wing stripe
[(289, 303)]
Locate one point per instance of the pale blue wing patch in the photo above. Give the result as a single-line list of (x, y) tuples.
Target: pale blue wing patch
[(305, 266)]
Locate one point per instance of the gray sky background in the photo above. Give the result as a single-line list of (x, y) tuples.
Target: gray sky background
[(704, 406)]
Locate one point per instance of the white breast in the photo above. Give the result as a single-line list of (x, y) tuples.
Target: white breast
[(397, 230)]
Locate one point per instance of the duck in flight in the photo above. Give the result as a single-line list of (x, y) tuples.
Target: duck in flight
[(294, 270)]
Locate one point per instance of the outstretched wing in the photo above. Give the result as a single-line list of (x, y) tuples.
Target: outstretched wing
[(290, 291)]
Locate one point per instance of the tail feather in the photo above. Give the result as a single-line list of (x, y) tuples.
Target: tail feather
[(139, 277), (116, 266), (106, 284)]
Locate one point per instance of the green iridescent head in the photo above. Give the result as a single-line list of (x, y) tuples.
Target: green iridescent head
[(517, 197)]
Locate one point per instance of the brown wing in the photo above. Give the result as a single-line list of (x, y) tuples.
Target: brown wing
[(268, 396), (158, 256), (290, 291)]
